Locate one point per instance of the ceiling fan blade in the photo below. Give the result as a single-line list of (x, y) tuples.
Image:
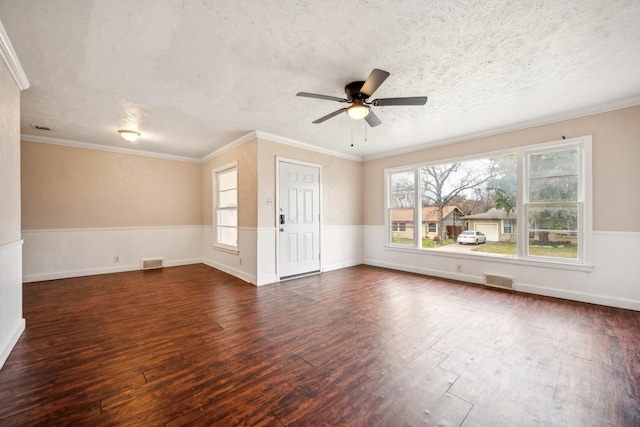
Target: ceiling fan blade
[(411, 100), (325, 97), (328, 116), (375, 79), (372, 119)]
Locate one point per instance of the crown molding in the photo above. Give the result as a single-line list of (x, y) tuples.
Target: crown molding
[(11, 60), (574, 114), (233, 144), (279, 139), (305, 146), (107, 148)]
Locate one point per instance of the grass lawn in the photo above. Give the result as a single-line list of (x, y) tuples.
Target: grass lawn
[(502, 248), (426, 243), (567, 251), (497, 248)]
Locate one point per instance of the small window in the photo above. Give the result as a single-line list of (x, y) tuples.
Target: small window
[(554, 203), (226, 206), (508, 226), (402, 196), (433, 227), (399, 226)]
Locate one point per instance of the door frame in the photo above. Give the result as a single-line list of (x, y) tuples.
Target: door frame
[(280, 159)]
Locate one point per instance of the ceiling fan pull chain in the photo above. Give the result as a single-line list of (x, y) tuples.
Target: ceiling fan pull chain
[(365, 132)]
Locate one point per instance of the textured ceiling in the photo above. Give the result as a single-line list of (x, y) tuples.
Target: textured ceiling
[(195, 75)]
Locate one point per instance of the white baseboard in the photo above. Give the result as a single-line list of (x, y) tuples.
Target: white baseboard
[(271, 278), (427, 271), (628, 304), (104, 270), (232, 271), (343, 264), (11, 342)]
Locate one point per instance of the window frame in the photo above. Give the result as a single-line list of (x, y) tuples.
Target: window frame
[(585, 230), (513, 226), (417, 216), (216, 173)]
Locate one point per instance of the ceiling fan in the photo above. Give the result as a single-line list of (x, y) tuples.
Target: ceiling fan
[(358, 93)]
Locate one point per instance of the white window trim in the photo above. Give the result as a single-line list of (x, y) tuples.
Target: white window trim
[(585, 241), (585, 208), (214, 173)]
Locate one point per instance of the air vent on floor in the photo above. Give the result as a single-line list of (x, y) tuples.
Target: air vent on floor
[(149, 264), (39, 127), (498, 281)]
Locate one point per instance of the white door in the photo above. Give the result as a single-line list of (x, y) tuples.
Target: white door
[(298, 219)]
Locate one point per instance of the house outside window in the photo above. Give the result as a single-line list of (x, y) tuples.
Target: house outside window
[(225, 199)]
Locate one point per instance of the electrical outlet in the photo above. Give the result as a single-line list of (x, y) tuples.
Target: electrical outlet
[(116, 259), (459, 268)]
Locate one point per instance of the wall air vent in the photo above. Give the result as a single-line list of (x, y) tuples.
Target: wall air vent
[(39, 127), (502, 282), (150, 264)]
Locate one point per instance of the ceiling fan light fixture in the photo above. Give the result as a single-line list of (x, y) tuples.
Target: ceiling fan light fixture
[(129, 135), (358, 111)]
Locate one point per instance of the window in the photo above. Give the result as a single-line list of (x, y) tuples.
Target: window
[(540, 194), (508, 226), (402, 196), (553, 203), (399, 226), (226, 206)]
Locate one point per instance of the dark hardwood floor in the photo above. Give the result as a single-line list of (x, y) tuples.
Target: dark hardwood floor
[(361, 346)]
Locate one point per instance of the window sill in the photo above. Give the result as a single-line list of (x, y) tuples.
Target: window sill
[(496, 258), (227, 249)]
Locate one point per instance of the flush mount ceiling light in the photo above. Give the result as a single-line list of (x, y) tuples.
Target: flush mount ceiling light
[(129, 135), (358, 111)]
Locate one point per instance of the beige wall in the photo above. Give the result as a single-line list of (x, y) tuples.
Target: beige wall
[(64, 187), (341, 184), (9, 157), (616, 174), (246, 156)]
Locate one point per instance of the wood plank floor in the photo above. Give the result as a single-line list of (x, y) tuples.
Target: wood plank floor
[(361, 346)]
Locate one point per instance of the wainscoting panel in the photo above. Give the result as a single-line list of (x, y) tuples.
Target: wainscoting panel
[(12, 323), (256, 260), (55, 254), (341, 247), (612, 280)]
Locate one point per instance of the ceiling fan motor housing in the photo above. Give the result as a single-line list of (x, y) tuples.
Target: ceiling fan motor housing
[(352, 90)]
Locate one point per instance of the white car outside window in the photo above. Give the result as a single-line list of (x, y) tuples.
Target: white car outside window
[(471, 236)]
